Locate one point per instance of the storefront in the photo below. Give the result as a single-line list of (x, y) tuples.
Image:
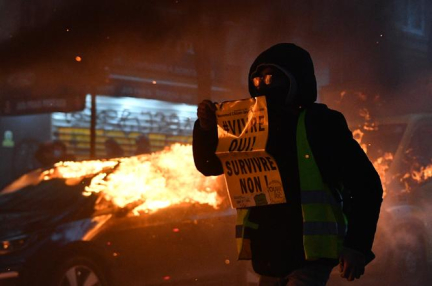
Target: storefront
[(124, 121)]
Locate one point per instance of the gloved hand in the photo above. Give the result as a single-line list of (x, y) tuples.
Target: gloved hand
[(206, 113), (351, 264)]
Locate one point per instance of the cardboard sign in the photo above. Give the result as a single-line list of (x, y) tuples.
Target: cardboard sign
[(251, 174)]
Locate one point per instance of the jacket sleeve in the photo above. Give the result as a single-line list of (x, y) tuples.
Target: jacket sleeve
[(204, 146), (341, 160), (362, 185)]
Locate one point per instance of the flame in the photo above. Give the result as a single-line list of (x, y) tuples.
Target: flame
[(368, 125), (358, 136), (364, 112), (418, 174), (149, 182), (382, 164), (70, 170), (423, 174)]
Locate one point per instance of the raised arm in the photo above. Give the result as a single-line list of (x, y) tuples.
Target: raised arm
[(205, 140)]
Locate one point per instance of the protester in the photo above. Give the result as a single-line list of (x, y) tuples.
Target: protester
[(287, 247)]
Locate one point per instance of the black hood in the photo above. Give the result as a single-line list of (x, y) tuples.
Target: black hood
[(294, 60)]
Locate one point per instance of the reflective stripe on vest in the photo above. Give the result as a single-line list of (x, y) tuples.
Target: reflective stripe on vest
[(243, 243), (324, 224)]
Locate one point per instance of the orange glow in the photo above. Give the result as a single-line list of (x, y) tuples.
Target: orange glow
[(368, 125), (78, 58), (151, 181), (382, 164), (358, 136), (422, 174), (365, 114), (361, 96), (418, 175)]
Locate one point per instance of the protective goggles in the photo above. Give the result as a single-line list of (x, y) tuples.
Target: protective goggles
[(266, 79)]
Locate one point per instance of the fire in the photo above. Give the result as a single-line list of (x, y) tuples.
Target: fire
[(70, 170), (148, 182), (382, 164), (358, 136), (423, 174), (368, 125), (364, 112), (418, 174)]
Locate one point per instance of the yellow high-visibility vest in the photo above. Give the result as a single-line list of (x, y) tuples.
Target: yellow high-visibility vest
[(324, 224)]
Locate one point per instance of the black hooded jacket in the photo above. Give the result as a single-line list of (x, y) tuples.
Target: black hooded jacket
[(277, 245)]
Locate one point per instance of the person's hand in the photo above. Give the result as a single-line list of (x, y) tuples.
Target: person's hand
[(207, 114), (351, 264)]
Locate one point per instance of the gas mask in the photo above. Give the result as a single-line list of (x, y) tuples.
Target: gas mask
[(278, 86)]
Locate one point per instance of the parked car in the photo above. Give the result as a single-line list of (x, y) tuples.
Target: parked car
[(51, 234), (400, 147)]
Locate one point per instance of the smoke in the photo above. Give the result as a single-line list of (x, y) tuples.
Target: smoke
[(218, 39), (361, 50)]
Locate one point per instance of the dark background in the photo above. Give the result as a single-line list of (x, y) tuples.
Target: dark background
[(373, 57), (376, 53)]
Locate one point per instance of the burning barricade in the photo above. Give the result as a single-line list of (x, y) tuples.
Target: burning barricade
[(149, 181)]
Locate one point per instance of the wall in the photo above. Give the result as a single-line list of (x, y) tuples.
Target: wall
[(18, 147)]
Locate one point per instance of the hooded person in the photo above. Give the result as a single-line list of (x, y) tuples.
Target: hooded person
[(294, 66), (321, 167)]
